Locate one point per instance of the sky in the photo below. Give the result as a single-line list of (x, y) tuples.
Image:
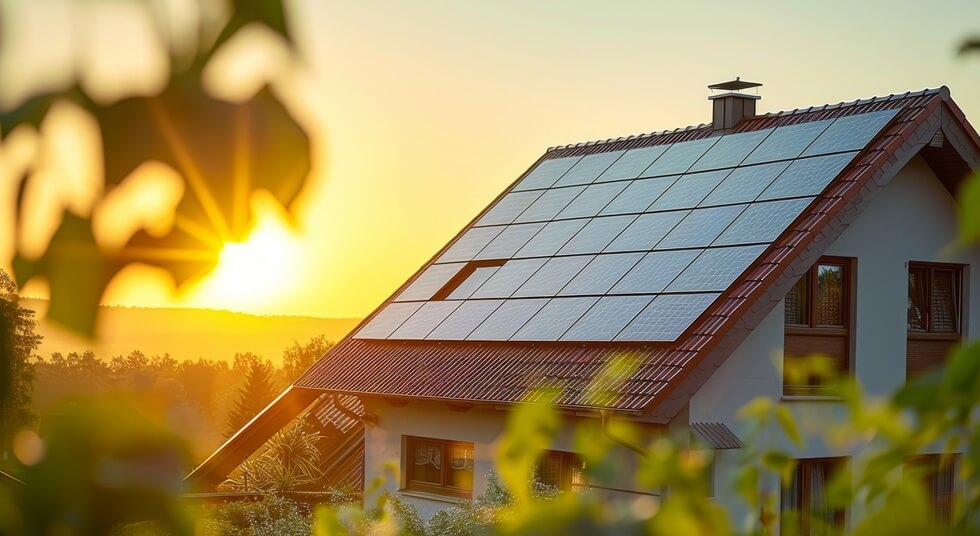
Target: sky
[(422, 112)]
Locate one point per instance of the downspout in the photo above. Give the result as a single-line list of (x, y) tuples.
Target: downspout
[(604, 417)]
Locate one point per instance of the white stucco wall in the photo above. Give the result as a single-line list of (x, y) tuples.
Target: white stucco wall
[(913, 218), (484, 428)]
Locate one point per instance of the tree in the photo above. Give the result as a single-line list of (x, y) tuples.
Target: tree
[(296, 359), (255, 394), (18, 342)]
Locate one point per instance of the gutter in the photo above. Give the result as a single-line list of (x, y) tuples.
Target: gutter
[(604, 417)]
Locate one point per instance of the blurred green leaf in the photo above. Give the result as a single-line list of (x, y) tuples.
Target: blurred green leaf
[(969, 210), (76, 271), (530, 429), (786, 422)]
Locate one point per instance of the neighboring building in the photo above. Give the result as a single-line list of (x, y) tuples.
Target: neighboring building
[(712, 255)]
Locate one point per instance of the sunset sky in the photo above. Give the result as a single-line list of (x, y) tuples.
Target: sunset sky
[(422, 112)]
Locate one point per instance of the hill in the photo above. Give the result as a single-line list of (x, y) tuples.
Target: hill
[(188, 333)]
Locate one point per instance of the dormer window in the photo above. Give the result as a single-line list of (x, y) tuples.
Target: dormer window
[(818, 322)]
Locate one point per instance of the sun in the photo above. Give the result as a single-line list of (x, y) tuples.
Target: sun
[(256, 271)]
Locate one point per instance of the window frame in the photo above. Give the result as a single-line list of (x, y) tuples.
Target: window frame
[(444, 487), (804, 517), (811, 331), (936, 469), (928, 333), (567, 461)]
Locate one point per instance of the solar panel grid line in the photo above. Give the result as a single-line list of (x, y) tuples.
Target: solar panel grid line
[(679, 157), (465, 319), (597, 234), (554, 275), (666, 318), (476, 279), (731, 150), (762, 222), (701, 227), (425, 319), (507, 319), (632, 163), (592, 200), (646, 231), (653, 274), (788, 142), (466, 246), (387, 320), (552, 237), (554, 319), (589, 168), (606, 318), (430, 280), (508, 278), (546, 173), (715, 269), (639, 195), (744, 184), (549, 204), (509, 207), (689, 190), (601, 274), (509, 241)]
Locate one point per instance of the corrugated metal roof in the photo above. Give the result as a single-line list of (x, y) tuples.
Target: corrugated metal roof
[(506, 372)]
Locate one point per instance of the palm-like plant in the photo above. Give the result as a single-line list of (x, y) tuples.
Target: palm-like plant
[(291, 460)]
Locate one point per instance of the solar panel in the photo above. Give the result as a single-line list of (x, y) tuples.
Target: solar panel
[(549, 204), (850, 133), (787, 142), (601, 274), (425, 320), (655, 271), (715, 269), (666, 318), (507, 319), (470, 244), (762, 222), (744, 184), (646, 231), (596, 235), (679, 157), (511, 239), (730, 150), (553, 276), (689, 190), (591, 201), (464, 320), (429, 281), (631, 164), (387, 320), (808, 176), (606, 318), (509, 278), (554, 319), (473, 282), (554, 235), (700, 227), (589, 168), (547, 173), (509, 208), (639, 195)]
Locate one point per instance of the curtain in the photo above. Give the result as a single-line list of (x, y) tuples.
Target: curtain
[(428, 454)]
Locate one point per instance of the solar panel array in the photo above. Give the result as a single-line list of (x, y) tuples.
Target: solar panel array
[(629, 245)]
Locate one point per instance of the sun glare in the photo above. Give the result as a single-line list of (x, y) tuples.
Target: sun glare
[(255, 271)]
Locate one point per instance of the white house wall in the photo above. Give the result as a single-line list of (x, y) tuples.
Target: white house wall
[(482, 427), (913, 218)]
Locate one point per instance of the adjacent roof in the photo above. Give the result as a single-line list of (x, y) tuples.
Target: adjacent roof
[(668, 247)]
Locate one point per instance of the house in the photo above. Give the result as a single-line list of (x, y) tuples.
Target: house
[(712, 256)]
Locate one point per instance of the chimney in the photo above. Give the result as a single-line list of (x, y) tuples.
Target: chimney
[(731, 106)]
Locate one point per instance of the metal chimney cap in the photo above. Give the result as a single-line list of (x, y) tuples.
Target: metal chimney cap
[(734, 85)]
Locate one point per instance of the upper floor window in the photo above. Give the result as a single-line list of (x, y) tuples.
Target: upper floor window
[(934, 316), (805, 506), (817, 316), (564, 471), (439, 466)]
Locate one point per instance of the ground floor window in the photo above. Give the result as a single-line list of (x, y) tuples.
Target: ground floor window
[(564, 471), (937, 475), (439, 466), (805, 506)]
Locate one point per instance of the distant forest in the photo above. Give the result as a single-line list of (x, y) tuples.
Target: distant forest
[(206, 399)]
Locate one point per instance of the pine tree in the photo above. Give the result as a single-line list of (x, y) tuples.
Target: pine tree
[(255, 394)]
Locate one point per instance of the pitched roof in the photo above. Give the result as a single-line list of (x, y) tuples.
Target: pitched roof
[(424, 343)]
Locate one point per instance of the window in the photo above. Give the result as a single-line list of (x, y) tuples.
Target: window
[(561, 470), (468, 279), (817, 316), (804, 504), (936, 474), (439, 466), (935, 309)]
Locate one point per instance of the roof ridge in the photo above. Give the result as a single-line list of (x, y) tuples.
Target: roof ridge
[(780, 113)]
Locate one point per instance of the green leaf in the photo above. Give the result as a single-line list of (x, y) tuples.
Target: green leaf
[(269, 13), (76, 272), (785, 419), (969, 200), (224, 151)]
